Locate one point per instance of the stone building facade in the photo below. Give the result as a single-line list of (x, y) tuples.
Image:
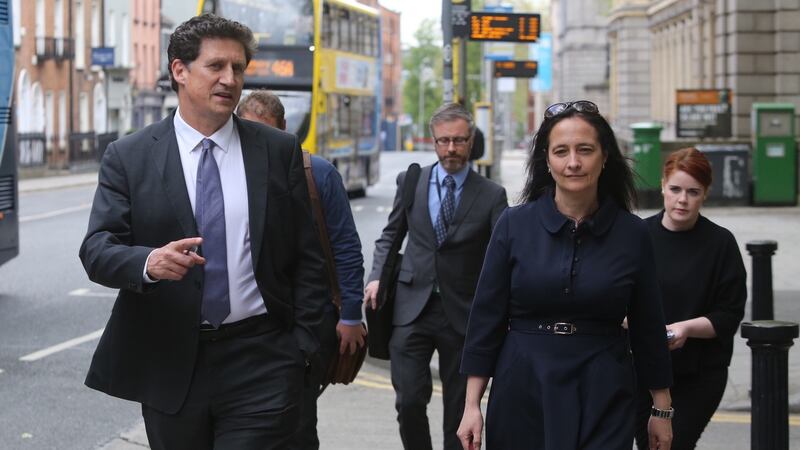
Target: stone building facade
[(580, 50), (658, 47)]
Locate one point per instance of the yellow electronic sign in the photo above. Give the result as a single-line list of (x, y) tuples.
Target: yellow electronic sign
[(507, 27), (515, 69)]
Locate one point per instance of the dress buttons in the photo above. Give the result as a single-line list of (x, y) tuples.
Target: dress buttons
[(572, 230), (566, 290), (578, 242), (576, 259), (574, 272)]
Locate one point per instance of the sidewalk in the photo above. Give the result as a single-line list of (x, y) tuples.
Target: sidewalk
[(57, 182)]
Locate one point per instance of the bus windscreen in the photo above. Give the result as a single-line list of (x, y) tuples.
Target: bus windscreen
[(274, 22)]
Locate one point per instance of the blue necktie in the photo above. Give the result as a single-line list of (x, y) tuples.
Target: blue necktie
[(210, 216), (447, 209)]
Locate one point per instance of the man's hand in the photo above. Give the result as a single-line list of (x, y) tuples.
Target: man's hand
[(173, 261), (371, 294), (352, 337)]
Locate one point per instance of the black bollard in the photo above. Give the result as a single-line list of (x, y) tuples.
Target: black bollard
[(769, 398), (761, 252)]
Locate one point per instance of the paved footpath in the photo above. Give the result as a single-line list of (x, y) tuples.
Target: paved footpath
[(746, 223)]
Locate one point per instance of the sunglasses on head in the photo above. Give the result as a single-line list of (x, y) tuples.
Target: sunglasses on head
[(584, 106)]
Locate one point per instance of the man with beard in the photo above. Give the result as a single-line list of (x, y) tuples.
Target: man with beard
[(449, 225)]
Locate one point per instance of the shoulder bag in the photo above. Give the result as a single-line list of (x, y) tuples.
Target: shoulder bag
[(379, 321), (342, 368)]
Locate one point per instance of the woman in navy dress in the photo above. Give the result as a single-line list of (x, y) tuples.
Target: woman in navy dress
[(703, 286), (561, 272)]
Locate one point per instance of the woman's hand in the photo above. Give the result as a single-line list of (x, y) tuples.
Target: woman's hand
[(471, 428), (680, 333), (660, 433)]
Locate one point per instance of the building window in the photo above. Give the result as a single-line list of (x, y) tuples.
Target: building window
[(95, 25), (80, 44)]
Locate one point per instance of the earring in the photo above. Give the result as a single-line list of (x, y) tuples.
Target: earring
[(604, 165), (548, 169)]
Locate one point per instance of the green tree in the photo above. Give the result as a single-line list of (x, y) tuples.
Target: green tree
[(423, 60)]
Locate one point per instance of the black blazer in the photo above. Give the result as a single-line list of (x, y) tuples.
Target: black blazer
[(147, 351)]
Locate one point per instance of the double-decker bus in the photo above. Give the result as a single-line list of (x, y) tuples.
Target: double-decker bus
[(9, 203), (322, 57)]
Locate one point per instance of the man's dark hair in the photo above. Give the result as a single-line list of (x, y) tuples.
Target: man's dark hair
[(616, 179), (185, 41), (262, 103)]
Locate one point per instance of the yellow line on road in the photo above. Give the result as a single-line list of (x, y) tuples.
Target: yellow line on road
[(376, 381), (743, 417)]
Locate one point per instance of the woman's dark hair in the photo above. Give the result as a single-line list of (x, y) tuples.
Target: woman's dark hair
[(185, 41), (616, 179)]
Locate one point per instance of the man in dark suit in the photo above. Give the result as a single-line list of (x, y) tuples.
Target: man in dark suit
[(202, 222), (449, 225)]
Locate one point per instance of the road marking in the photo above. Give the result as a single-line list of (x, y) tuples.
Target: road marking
[(57, 212), (62, 346), (85, 292), (382, 209), (358, 208)]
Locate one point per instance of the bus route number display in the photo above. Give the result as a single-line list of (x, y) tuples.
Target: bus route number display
[(269, 68), (515, 69), (505, 27)]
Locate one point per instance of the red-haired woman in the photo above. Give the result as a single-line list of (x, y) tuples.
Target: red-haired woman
[(702, 280)]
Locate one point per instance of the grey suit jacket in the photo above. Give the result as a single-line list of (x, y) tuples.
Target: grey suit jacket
[(148, 349), (456, 265)]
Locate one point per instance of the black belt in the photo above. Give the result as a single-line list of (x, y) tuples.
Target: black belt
[(252, 326), (566, 328)]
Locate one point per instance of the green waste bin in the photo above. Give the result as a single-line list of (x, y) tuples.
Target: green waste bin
[(647, 155), (774, 154)]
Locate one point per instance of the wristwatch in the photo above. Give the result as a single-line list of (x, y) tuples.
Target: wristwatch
[(662, 413)]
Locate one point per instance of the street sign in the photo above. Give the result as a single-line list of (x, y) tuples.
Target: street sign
[(515, 69), (703, 113), (103, 56), (507, 27), (460, 17)]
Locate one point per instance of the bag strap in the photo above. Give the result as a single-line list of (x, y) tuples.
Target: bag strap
[(322, 230), (406, 201)]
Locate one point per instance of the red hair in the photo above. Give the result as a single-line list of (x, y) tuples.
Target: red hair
[(691, 161)]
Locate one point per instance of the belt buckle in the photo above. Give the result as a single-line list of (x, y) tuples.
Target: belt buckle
[(563, 328)]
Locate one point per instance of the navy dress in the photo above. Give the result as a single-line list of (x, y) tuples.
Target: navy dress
[(566, 391)]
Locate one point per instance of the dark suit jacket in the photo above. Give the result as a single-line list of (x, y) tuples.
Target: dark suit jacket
[(456, 265), (147, 352)]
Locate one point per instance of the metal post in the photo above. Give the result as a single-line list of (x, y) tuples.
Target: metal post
[(462, 70), (770, 341), (761, 252), (447, 51)]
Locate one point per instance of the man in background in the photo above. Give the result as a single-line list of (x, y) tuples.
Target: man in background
[(266, 107), (449, 225)]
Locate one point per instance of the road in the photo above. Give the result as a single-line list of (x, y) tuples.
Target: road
[(50, 316)]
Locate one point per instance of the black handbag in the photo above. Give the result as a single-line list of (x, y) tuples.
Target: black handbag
[(379, 321)]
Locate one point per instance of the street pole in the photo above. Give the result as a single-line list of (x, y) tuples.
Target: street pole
[(420, 130), (447, 51), (462, 70)]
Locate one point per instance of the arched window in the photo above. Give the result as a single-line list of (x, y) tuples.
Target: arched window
[(37, 116), (100, 108), (24, 100)]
